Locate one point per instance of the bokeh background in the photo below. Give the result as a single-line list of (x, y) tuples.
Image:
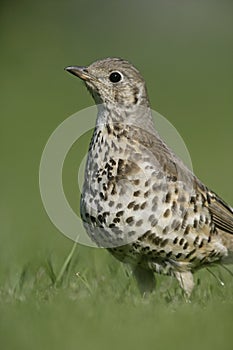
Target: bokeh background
[(184, 51)]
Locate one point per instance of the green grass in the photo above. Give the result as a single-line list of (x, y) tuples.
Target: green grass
[(91, 301)]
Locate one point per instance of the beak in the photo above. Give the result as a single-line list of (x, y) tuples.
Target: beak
[(79, 71)]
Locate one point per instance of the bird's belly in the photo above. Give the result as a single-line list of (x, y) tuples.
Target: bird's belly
[(119, 210), (131, 202)]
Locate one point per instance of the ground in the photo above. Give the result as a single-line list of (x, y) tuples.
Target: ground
[(90, 301)]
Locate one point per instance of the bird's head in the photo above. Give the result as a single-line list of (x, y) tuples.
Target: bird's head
[(113, 81)]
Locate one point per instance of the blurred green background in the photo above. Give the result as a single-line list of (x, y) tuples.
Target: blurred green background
[(184, 51)]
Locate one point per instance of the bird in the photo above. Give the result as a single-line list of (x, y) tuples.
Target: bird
[(139, 200)]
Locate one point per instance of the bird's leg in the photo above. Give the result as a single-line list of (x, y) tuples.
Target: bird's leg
[(145, 280), (186, 281)]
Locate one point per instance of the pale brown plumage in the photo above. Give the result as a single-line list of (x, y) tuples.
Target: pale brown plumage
[(139, 200)]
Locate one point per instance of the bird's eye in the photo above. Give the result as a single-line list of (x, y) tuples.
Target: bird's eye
[(115, 77)]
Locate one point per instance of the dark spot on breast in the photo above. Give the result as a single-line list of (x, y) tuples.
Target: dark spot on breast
[(156, 240), (166, 213), (168, 197), (108, 129), (119, 213), (136, 207), (147, 183), (181, 241), (177, 227), (145, 249), (184, 220), (143, 205), (165, 230), (172, 178), (119, 206), (175, 240), (139, 222), (120, 165), (164, 243), (154, 222), (174, 206), (116, 220), (178, 255), (151, 217), (113, 189), (192, 200), (100, 218), (201, 220), (148, 233), (129, 220), (131, 233), (195, 222), (185, 245), (136, 193), (130, 205), (105, 187), (93, 219), (202, 243), (101, 195), (195, 242), (187, 229), (116, 127), (108, 166), (109, 176), (136, 182)]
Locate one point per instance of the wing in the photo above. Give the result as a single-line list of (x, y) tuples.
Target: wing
[(221, 212), (171, 165)]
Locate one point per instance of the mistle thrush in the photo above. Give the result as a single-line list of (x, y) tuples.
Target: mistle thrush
[(139, 200)]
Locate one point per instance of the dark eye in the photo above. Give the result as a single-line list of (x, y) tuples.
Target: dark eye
[(115, 77)]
